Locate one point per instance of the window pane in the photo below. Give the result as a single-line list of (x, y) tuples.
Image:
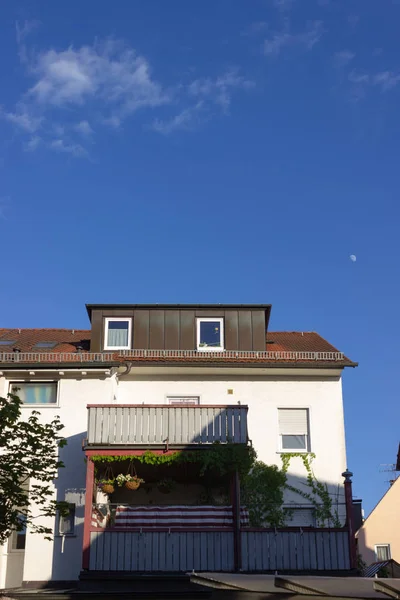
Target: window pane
[(294, 442), (37, 393), (19, 537), (382, 553), (117, 334), (210, 334)]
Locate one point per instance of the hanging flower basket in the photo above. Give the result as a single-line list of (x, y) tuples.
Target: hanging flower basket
[(131, 482), (107, 485)]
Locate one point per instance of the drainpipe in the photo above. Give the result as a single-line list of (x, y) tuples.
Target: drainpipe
[(348, 494)]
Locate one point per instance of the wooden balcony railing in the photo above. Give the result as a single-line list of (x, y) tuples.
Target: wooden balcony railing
[(155, 424)]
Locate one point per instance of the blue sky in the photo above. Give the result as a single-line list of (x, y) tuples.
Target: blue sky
[(211, 152)]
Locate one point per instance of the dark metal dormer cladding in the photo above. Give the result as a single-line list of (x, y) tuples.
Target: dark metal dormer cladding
[(176, 326)]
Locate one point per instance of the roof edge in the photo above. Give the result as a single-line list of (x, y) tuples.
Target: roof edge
[(219, 306)]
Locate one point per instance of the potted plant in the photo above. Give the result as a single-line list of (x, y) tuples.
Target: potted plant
[(106, 485), (165, 486), (131, 482)]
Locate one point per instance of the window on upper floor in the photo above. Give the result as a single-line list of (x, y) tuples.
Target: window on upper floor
[(18, 538), (210, 334), (382, 552), (294, 435), (39, 393), (117, 333), (185, 400)]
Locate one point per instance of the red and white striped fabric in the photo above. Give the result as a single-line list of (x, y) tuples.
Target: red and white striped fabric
[(178, 516)]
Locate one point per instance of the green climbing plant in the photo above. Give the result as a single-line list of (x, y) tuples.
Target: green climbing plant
[(318, 494), (223, 458), (262, 493)]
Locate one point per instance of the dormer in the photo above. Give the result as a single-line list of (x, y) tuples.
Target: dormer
[(200, 327)]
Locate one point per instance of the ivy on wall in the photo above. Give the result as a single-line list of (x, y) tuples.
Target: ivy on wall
[(318, 493)]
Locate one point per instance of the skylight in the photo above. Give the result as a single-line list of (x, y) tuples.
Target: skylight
[(7, 342), (45, 344)]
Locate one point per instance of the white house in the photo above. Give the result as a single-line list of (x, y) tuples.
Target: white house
[(178, 378)]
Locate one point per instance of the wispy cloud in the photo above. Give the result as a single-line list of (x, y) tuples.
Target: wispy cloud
[(22, 118), (220, 90), (116, 75), (342, 58), (84, 128), (106, 83), (187, 120), (306, 39), (362, 81), (34, 142), (22, 30), (75, 149)]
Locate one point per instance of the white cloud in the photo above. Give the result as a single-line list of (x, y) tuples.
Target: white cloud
[(220, 89), (106, 72), (341, 59), (186, 120), (386, 80), (84, 128), (22, 118), (283, 39), (75, 149), (105, 83)]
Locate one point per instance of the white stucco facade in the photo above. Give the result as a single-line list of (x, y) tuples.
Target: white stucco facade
[(263, 391)]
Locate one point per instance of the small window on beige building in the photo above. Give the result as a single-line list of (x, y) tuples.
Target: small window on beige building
[(185, 400), (382, 552)]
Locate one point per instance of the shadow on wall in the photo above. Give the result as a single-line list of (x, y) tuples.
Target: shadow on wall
[(126, 550), (70, 487)]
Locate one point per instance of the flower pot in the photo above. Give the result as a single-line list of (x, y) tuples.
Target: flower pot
[(107, 488), (132, 485)]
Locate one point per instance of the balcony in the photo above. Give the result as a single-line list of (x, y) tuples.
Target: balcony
[(158, 425)]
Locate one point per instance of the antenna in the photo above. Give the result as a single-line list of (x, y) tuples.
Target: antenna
[(387, 468)]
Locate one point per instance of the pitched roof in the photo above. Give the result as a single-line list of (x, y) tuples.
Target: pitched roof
[(25, 340), (77, 340)]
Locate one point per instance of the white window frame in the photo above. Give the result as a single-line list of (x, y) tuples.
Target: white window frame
[(210, 348), (282, 450), (56, 404), (108, 320), (183, 397), (382, 546)]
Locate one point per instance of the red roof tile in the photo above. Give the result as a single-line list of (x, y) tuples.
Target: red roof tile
[(67, 340)]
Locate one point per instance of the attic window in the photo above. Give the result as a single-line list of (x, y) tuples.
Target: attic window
[(117, 334), (7, 342), (45, 345), (210, 334)]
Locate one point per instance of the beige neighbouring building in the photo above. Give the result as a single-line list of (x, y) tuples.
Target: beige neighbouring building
[(379, 536)]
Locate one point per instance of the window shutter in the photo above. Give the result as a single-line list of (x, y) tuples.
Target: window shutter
[(293, 421)]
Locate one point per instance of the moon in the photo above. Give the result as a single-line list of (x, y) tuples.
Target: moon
[(353, 257)]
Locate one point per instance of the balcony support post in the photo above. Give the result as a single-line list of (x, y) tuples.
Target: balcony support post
[(237, 536)]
